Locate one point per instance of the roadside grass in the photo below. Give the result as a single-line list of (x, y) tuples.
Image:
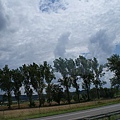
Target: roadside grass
[(115, 117), (24, 114)]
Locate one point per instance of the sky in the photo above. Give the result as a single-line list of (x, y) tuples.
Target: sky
[(43, 30)]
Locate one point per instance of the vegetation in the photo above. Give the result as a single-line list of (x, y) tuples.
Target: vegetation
[(24, 114), (98, 73), (114, 66), (38, 78), (61, 66), (17, 84), (6, 83)]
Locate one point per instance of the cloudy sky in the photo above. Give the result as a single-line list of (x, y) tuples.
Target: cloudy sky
[(39, 30)]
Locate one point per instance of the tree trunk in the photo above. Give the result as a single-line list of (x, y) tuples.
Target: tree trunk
[(68, 94), (39, 99), (77, 91), (97, 90), (9, 100), (88, 94), (49, 94), (30, 100), (18, 103)]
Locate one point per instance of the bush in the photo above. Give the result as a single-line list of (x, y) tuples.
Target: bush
[(32, 104)]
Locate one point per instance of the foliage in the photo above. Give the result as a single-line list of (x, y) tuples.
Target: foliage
[(27, 82), (17, 84), (37, 78), (85, 72), (49, 76), (73, 73), (107, 92), (6, 83), (114, 66), (61, 66), (97, 70), (57, 93)]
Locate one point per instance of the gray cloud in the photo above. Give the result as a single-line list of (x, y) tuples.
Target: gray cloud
[(2, 18), (52, 5), (60, 49), (29, 35), (101, 45)]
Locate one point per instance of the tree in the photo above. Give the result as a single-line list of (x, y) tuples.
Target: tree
[(49, 76), (17, 84), (37, 79), (85, 72), (66, 83), (73, 73), (6, 83), (61, 67), (57, 93), (27, 83), (114, 66), (97, 70)]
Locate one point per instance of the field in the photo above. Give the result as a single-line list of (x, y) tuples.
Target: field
[(23, 114)]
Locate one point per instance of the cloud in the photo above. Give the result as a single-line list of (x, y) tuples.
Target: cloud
[(52, 5), (2, 18), (28, 35), (101, 45), (60, 49)]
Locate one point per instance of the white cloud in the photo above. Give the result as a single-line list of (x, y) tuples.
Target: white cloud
[(101, 45), (27, 35), (60, 49)]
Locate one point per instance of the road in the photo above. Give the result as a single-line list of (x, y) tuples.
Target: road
[(83, 114)]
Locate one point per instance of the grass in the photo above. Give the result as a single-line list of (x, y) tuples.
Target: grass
[(115, 117), (23, 114)]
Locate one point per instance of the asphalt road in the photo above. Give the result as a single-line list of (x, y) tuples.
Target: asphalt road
[(83, 114)]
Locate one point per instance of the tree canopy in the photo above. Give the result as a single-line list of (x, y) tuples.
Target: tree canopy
[(114, 66), (36, 78)]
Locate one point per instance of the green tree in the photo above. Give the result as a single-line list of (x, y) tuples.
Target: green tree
[(73, 73), (6, 83), (49, 76), (57, 93), (113, 65), (60, 66), (17, 84), (85, 72), (66, 83), (27, 83), (37, 80), (97, 70)]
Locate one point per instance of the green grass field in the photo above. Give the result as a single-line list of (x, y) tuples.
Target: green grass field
[(23, 114)]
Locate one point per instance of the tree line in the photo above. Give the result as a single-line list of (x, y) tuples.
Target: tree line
[(40, 77)]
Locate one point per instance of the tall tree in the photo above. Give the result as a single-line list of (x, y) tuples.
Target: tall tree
[(61, 67), (97, 70), (37, 80), (17, 84), (113, 65), (85, 72), (73, 73), (49, 76), (66, 83), (6, 83), (27, 82)]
